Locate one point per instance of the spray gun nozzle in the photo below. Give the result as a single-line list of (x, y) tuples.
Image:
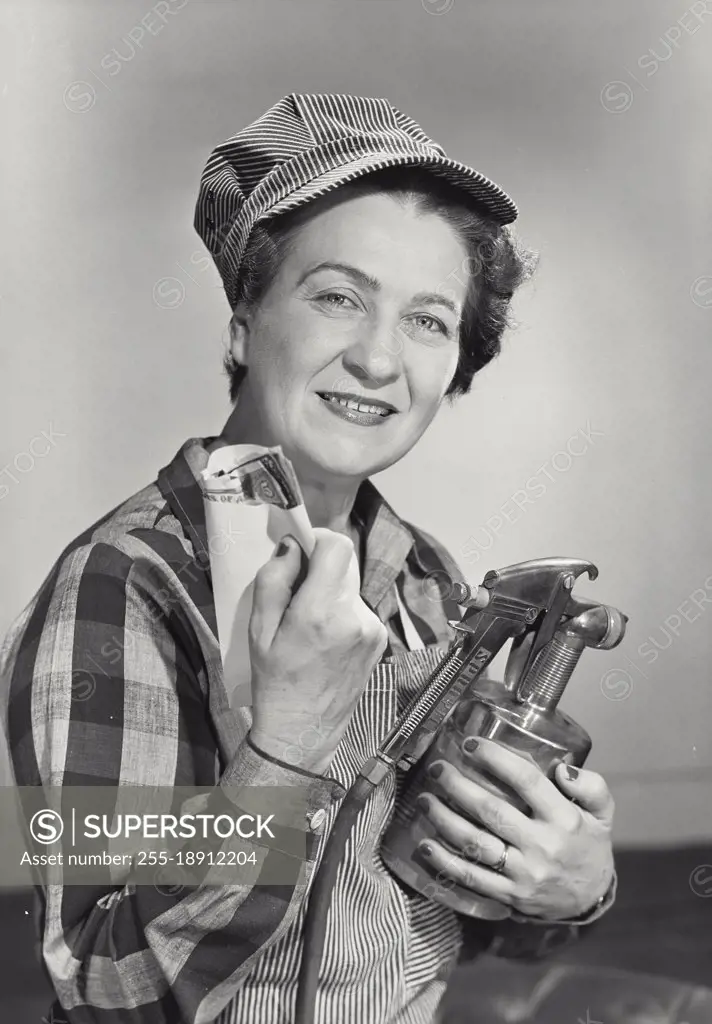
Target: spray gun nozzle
[(597, 625)]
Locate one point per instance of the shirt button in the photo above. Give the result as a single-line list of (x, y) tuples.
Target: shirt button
[(316, 819)]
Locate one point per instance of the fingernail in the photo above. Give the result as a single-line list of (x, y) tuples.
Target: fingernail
[(435, 770), (423, 802), (572, 773), (425, 850), (470, 745)]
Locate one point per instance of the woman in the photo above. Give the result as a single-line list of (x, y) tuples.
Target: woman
[(369, 278)]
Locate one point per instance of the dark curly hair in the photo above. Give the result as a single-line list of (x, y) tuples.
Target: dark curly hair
[(496, 262)]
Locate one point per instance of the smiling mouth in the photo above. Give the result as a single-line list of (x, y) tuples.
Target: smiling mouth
[(375, 408)]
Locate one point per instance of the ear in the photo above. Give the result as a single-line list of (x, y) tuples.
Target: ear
[(240, 335)]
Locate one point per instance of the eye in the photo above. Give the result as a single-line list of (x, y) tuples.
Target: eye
[(335, 299), (429, 322)]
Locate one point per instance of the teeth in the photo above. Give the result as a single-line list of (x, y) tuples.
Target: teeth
[(358, 406)]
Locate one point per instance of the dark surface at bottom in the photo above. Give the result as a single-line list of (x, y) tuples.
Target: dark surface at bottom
[(648, 961)]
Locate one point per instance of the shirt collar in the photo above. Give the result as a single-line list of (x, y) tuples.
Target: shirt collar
[(178, 483), (388, 540)]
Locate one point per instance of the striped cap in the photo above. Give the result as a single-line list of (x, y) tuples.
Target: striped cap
[(305, 146)]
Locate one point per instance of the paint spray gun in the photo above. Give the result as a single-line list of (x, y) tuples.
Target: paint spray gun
[(531, 604)]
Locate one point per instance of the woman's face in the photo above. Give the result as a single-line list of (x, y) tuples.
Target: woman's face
[(367, 302)]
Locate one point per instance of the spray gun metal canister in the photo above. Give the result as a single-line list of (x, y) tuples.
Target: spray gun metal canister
[(521, 713), (531, 604)]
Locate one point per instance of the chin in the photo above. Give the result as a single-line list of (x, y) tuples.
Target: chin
[(339, 463), (349, 468)]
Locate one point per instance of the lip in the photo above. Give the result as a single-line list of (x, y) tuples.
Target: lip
[(349, 396), (362, 419)]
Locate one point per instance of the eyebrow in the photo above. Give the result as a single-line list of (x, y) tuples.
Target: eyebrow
[(372, 283)]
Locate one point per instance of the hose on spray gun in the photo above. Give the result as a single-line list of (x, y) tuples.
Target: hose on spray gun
[(320, 896), (373, 772)]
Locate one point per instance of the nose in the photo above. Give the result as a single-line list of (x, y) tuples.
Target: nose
[(375, 356)]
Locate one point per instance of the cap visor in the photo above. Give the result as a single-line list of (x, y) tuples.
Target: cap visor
[(479, 191)]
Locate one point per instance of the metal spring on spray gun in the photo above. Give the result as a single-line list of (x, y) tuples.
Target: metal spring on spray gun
[(550, 673), (424, 701)]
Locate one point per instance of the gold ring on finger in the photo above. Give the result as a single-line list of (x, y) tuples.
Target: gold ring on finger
[(502, 862)]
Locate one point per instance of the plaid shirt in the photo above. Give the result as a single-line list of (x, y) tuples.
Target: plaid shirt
[(128, 611)]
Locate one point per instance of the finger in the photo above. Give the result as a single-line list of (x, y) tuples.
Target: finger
[(273, 587), (489, 810), (588, 789), (470, 842), (333, 570), (517, 772), (446, 865)]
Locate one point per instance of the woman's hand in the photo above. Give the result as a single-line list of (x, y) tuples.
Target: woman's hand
[(311, 652), (559, 861)]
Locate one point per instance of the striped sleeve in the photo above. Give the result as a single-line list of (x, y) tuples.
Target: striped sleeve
[(105, 690)]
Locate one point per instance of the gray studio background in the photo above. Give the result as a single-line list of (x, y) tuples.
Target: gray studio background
[(596, 120)]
